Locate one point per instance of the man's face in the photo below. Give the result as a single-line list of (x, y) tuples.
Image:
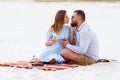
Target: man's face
[(74, 20)]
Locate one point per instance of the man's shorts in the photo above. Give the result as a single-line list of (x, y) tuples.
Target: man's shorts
[(84, 60)]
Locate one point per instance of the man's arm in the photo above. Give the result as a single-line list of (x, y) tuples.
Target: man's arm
[(83, 46), (72, 41)]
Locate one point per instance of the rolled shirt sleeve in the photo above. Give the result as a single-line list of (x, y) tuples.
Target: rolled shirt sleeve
[(83, 45)]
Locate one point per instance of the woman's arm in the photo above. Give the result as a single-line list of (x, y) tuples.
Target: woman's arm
[(50, 39), (48, 43)]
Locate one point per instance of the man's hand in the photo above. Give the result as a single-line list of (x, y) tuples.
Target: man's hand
[(64, 42)]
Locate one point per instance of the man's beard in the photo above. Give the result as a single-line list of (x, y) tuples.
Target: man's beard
[(73, 24)]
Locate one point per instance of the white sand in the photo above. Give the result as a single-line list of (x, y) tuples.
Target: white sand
[(22, 33)]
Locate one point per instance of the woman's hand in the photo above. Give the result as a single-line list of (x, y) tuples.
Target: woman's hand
[(52, 41)]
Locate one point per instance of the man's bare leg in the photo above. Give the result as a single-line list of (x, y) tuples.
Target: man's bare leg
[(77, 58), (68, 54)]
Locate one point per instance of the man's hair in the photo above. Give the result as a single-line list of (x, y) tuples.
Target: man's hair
[(80, 13)]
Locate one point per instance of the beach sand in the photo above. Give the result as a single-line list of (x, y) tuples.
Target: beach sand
[(23, 27)]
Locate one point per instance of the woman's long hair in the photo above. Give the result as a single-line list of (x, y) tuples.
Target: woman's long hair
[(59, 21)]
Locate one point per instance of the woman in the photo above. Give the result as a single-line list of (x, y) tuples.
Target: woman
[(58, 31)]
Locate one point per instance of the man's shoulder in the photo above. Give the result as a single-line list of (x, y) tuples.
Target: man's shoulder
[(85, 27)]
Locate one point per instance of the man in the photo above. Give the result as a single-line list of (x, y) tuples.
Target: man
[(83, 46)]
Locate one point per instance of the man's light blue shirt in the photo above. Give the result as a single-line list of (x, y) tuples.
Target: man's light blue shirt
[(86, 42)]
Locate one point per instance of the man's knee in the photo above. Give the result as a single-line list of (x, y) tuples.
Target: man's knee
[(64, 51)]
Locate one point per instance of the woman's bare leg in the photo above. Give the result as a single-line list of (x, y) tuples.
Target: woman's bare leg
[(35, 60)]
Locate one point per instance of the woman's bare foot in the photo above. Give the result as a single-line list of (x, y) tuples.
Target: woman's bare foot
[(52, 61), (35, 60)]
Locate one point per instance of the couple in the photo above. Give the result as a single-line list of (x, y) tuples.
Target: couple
[(77, 44)]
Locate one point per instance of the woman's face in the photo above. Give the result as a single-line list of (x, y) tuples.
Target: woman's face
[(66, 19)]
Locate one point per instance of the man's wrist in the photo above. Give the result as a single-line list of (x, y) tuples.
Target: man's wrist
[(67, 46)]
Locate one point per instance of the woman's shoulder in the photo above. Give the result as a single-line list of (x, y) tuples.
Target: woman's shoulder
[(50, 29), (66, 26)]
